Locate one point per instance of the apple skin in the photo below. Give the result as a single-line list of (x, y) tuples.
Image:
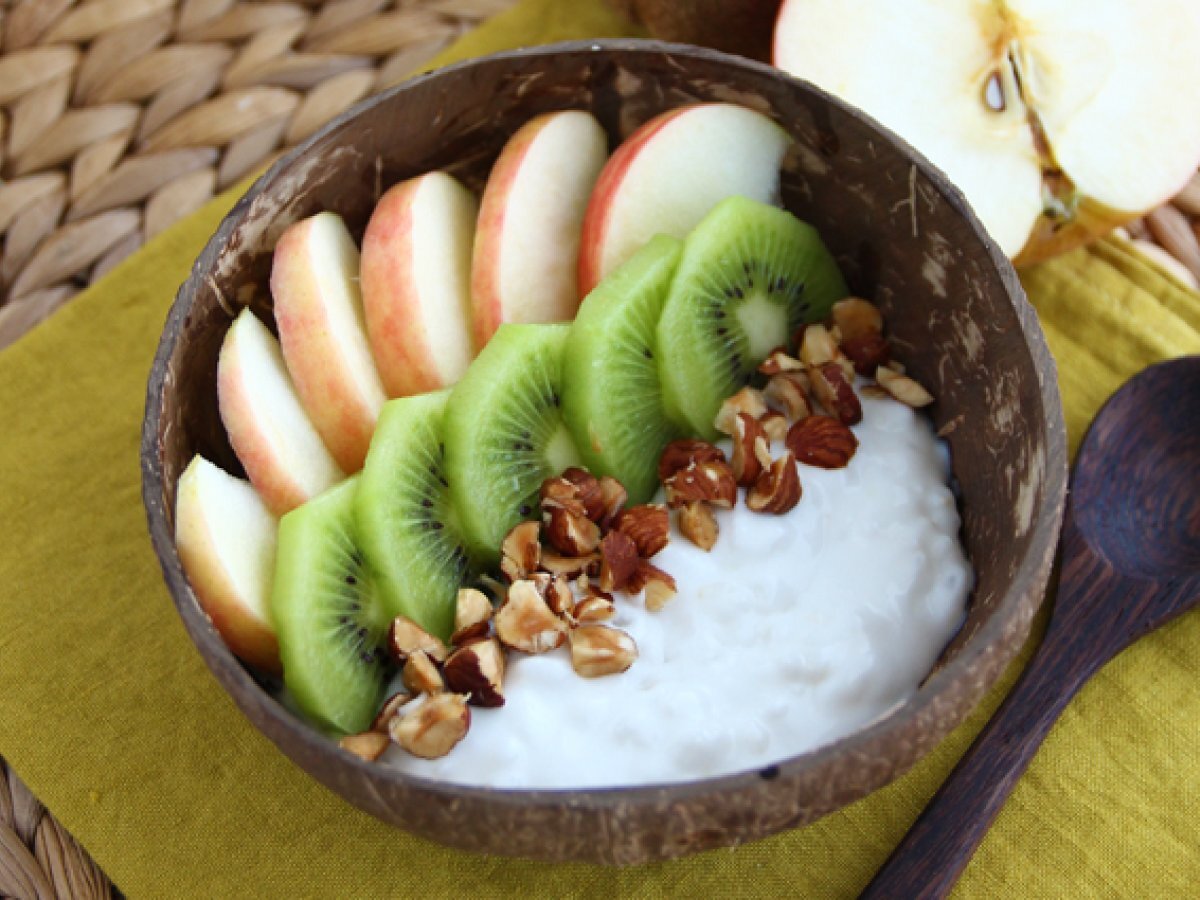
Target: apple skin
[(226, 541), (669, 173), (268, 429), (416, 277), (530, 221), (319, 312)]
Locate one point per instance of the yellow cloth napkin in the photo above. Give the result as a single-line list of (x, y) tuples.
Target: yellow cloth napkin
[(107, 711)]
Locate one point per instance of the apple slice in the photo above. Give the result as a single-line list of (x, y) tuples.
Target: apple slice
[(530, 219), (319, 311), (670, 172), (268, 429), (1058, 120), (416, 283), (226, 540)]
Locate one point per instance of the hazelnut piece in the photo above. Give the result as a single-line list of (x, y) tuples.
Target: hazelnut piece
[(571, 534), (471, 607), (856, 317), (775, 424), (421, 675), (526, 623), (834, 391), (789, 392), (598, 650), (822, 442), (388, 711), (683, 453), (777, 489), (648, 525), (903, 388), (699, 525), (570, 566), (747, 437), (711, 480), (593, 609), (521, 550), (405, 637), (748, 400), (430, 729), (369, 745), (618, 560), (477, 670), (613, 495), (779, 361)]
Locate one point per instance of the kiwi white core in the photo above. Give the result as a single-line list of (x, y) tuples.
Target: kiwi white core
[(764, 322)]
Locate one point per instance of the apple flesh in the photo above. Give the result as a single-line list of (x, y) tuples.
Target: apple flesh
[(669, 173), (268, 429), (1057, 120), (226, 540), (530, 220), (416, 283), (319, 311)]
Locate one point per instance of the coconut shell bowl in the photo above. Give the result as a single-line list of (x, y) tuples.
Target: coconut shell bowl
[(904, 238)]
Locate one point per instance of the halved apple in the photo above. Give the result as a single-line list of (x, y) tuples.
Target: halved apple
[(669, 173), (1057, 119), (268, 429), (319, 311), (530, 219), (226, 540), (416, 283)]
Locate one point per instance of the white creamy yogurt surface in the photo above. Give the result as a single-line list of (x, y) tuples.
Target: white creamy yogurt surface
[(793, 631)]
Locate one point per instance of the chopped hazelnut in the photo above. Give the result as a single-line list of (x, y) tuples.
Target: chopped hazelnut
[(405, 637), (775, 424), (613, 496), (421, 675), (571, 534), (471, 607), (618, 560), (685, 452), (477, 670), (598, 650), (748, 435), (711, 480), (594, 608), (777, 489), (835, 392), (778, 361), (525, 622), (648, 525), (390, 707), (431, 728), (698, 525), (789, 392), (856, 317), (748, 400), (521, 550), (822, 441), (369, 745), (557, 564), (905, 389)]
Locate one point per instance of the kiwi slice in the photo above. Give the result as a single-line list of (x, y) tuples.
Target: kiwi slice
[(612, 399), (505, 433), (407, 527), (330, 621), (750, 275)]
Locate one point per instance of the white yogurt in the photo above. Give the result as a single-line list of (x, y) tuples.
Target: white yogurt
[(793, 631)]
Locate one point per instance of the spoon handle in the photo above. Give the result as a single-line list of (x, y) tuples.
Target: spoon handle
[(927, 863)]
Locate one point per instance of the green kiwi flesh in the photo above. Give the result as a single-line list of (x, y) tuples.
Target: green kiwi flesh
[(407, 527), (504, 433), (612, 399), (330, 621), (750, 275)]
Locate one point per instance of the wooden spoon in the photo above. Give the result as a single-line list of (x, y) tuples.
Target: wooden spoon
[(1130, 563)]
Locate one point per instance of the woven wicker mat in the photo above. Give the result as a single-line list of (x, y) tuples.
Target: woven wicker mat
[(103, 145)]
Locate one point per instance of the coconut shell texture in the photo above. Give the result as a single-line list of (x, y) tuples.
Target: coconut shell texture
[(903, 236)]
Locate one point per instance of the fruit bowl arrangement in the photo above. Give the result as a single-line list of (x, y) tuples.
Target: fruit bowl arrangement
[(899, 233)]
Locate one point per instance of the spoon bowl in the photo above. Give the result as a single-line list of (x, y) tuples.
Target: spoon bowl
[(1136, 492), (1130, 563)]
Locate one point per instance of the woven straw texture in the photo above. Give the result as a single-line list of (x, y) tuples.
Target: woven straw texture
[(118, 117)]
